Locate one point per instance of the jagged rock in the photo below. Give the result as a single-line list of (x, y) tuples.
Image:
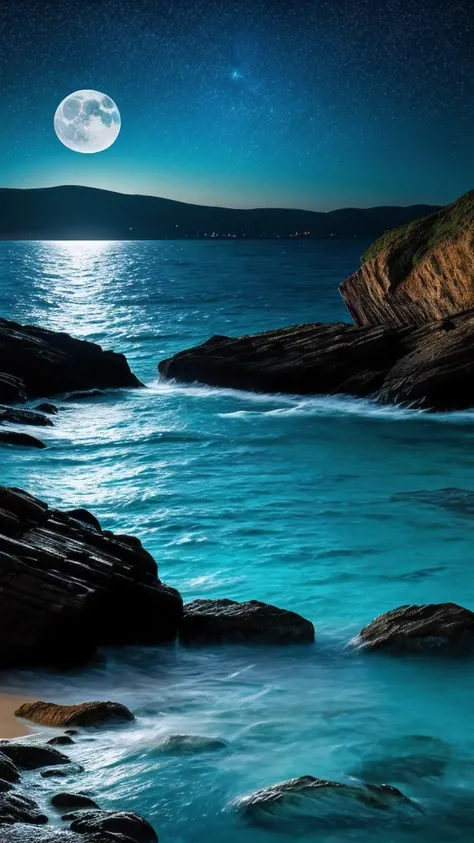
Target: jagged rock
[(5, 786), (13, 415), (86, 517), (84, 714), (430, 367), (49, 363), (67, 588), (32, 756), (310, 802), (72, 801), (212, 621), (129, 824), (60, 740), (8, 770), (418, 273), (11, 437), (444, 627), (16, 808), (47, 407)]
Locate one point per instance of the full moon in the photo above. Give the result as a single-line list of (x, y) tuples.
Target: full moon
[(87, 121)]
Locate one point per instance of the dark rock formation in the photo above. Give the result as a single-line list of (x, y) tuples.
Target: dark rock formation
[(39, 834), (213, 621), (67, 587), (62, 772), (8, 770), (11, 437), (17, 416), (60, 740), (84, 714), (16, 808), (430, 367), (130, 825), (310, 801), (32, 756), (86, 517), (418, 273), (5, 786), (444, 627), (46, 363), (12, 390), (46, 407), (72, 801)]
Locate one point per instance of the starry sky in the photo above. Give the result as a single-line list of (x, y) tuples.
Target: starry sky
[(318, 104)]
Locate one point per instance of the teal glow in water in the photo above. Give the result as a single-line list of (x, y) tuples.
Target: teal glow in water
[(329, 506)]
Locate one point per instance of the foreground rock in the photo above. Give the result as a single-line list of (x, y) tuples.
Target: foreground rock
[(31, 756), (308, 802), (132, 826), (35, 363), (72, 801), (12, 437), (68, 587), (84, 714), (37, 834), (13, 415), (418, 273), (442, 627), (216, 621), (16, 808), (430, 367)]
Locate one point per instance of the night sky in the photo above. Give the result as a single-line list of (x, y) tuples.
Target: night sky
[(245, 103)]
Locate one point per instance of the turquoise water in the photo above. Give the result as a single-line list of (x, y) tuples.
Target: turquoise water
[(333, 507)]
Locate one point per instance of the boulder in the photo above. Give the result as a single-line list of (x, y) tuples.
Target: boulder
[(16, 808), (48, 363), (67, 588), (60, 740), (24, 440), (14, 415), (72, 801), (308, 802), (62, 772), (437, 627), (31, 756), (48, 408), (215, 621), (418, 273), (84, 714), (129, 824)]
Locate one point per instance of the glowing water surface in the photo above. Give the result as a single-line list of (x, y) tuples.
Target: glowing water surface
[(333, 507)]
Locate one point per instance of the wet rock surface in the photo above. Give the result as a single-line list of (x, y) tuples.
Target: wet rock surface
[(72, 801), (306, 802), (83, 714), (21, 416), (437, 627), (31, 756), (213, 621), (129, 824), (68, 587), (15, 808), (430, 367), (24, 440)]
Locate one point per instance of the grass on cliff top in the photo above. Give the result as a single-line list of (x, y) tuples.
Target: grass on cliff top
[(409, 244)]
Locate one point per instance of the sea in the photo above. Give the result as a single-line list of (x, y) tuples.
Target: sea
[(333, 507)]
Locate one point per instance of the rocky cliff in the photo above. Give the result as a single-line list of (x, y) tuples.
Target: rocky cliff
[(418, 273)]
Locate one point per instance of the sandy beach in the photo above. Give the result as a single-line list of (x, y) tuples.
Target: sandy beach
[(11, 726)]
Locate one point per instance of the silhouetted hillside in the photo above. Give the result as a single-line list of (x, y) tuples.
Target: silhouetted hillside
[(87, 213)]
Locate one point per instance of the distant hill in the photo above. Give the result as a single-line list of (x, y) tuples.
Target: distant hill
[(85, 213)]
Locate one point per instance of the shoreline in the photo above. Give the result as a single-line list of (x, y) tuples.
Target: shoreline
[(11, 726)]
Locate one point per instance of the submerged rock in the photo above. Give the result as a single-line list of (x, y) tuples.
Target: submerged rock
[(32, 756), (418, 273), (62, 772), (437, 627), (309, 802), (404, 760), (84, 395), (41, 363), (67, 588), (47, 407), (213, 621), (191, 744), (84, 714), (129, 824), (60, 740)]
